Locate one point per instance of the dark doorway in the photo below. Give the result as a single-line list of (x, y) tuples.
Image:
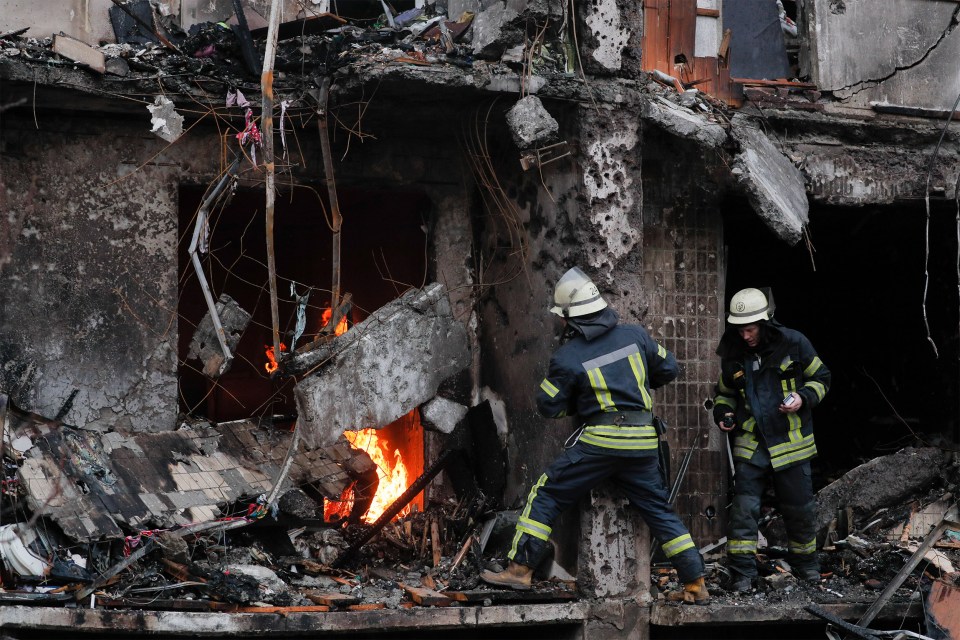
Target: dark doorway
[(862, 308), (383, 249)]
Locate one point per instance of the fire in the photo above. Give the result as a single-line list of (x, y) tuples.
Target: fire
[(271, 364), (397, 450), (341, 327)]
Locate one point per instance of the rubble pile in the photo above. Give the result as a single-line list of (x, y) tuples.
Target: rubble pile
[(895, 539)]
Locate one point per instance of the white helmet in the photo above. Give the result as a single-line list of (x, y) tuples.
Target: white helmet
[(748, 306), (576, 295)]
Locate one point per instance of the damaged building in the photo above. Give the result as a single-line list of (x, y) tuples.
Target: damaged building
[(292, 261)]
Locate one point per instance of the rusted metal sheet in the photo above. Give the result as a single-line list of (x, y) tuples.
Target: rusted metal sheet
[(656, 35), (943, 611)]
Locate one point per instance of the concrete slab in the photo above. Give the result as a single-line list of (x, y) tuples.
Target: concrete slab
[(76, 623), (683, 122), (383, 368), (738, 613), (91, 484), (774, 186)]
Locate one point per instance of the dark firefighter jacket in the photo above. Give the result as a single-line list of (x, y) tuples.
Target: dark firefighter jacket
[(604, 375), (753, 383)]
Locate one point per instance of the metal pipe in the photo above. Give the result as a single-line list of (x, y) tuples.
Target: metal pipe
[(202, 214), (335, 217), (266, 122)]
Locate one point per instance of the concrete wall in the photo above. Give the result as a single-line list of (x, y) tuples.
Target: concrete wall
[(89, 248), (901, 52), (90, 285), (654, 247), (89, 20)]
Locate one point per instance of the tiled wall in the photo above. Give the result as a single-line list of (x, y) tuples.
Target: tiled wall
[(683, 267)]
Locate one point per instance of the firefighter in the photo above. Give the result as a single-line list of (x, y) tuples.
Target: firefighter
[(602, 373), (771, 379)]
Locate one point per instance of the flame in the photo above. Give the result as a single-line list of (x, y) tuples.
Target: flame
[(341, 327), (396, 474), (271, 364)]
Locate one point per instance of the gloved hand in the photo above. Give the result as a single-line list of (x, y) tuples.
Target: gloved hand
[(727, 421)]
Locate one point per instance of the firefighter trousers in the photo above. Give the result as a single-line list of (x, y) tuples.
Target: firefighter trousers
[(794, 489), (581, 468)]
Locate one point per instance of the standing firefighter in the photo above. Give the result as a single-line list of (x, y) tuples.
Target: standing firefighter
[(770, 381), (603, 373)]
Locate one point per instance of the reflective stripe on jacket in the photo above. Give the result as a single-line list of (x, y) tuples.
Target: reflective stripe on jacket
[(612, 373), (753, 388)]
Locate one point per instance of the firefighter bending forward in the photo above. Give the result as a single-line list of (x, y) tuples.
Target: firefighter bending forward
[(603, 373), (770, 380)]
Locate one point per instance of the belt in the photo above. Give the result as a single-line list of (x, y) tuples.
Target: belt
[(636, 418)]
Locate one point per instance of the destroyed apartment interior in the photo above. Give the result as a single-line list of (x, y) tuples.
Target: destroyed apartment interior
[(276, 289)]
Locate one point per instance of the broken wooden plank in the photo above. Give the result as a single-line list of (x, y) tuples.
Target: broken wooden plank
[(284, 610), (79, 52), (426, 597), (906, 570), (333, 599), (756, 82), (435, 542), (367, 606)]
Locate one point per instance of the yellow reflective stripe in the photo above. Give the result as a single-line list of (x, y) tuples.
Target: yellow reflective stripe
[(741, 546), (802, 547), (534, 528), (786, 363), (549, 388), (725, 401), (745, 441), (525, 515), (813, 367), (802, 454), (746, 454), (787, 447), (749, 424), (818, 388), (600, 389), (625, 444), (677, 545), (661, 351), (622, 432), (636, 363)]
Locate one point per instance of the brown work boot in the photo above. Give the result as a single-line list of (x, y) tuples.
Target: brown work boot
[(515, 576), (692, 593)]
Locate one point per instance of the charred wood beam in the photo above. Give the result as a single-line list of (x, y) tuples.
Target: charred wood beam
[(149, 27), (418, 485), (246, 40)]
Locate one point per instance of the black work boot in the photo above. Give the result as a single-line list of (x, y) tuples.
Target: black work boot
[(807, 574), (741, 583)]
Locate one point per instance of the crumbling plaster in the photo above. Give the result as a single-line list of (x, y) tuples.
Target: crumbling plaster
[(94, 265), (900, 52), (613, 202)]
